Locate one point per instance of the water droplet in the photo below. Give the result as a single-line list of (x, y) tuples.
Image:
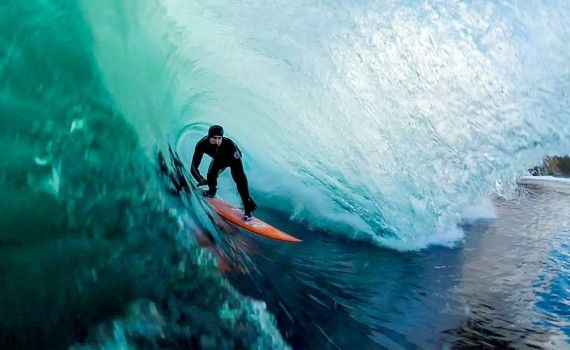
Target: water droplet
[(42, 159), (77, 125)]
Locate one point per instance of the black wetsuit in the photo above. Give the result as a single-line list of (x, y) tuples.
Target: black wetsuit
[(226, 155)]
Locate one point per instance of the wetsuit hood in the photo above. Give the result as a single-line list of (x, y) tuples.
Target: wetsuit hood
[(215, 130)]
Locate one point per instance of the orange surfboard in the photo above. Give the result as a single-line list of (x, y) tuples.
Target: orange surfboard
[(235, 216)]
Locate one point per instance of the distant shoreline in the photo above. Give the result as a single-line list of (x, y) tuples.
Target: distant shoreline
[(555, 166)]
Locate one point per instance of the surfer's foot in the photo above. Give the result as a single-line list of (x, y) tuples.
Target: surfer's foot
[(209, 193), (247, 216)]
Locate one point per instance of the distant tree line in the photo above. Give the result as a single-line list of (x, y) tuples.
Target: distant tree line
[(553, 166)]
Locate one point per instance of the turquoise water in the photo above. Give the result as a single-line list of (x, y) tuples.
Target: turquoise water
[(368, 129)]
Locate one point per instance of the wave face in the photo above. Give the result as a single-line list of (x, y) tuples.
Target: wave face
[(380, 121)]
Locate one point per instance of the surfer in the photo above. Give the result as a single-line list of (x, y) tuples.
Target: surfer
[(225, 153)]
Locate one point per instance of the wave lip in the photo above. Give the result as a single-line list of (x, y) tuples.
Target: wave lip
[(88, 246)]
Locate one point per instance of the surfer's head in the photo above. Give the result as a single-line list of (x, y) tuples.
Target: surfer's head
[(215, 134)]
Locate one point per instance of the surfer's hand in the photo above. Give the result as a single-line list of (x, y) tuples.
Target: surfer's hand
[(202, 182), (250, 205)]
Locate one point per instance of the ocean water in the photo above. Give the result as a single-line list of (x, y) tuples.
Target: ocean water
[(392, 137)]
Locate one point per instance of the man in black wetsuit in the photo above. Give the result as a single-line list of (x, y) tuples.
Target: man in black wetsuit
[(225, 153)]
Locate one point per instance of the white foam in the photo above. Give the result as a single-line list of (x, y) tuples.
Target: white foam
[(482, 208), (535, 179), (448, 238)]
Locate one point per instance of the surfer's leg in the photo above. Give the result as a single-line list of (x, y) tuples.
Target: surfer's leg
[(240, 179)]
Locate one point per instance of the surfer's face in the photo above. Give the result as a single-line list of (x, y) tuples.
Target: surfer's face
[(216, 140)]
